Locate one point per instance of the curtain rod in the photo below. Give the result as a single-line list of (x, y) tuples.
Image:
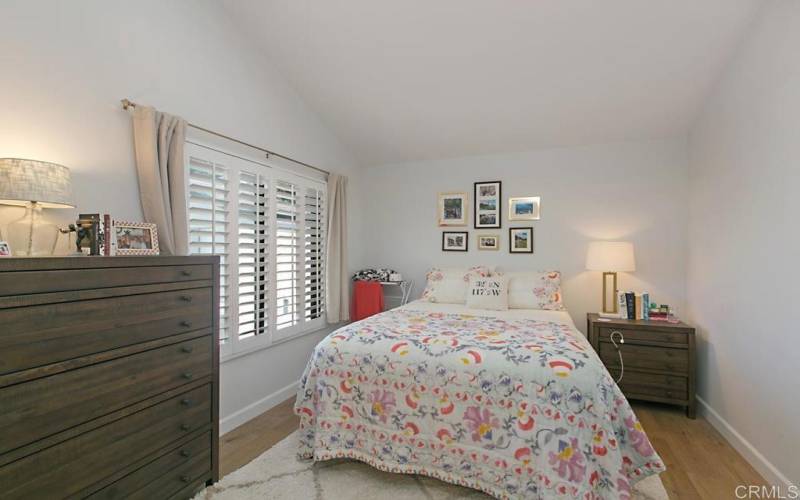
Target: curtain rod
[(127, 103)]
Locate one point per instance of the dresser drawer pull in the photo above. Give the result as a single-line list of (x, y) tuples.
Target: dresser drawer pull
[(186, 324), (187, 349), (187, 375), (186, 272), (185, 479), (186, 298), (669, 394), (185, 427), (186, 402), (185, 453)]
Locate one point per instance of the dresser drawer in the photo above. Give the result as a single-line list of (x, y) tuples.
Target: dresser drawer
[(48, 405), (28, 282), (645, 336), (641, 384), (645, 357), (38, 335), (75, 465), (166, 475)]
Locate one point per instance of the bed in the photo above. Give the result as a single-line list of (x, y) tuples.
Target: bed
[(513, 403)]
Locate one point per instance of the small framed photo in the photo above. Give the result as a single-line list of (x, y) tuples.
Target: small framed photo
[(5, 249), (488, 242), (135, 238), (455, 241), (526, 208), (488, 205), (452, 209), (520, 240)]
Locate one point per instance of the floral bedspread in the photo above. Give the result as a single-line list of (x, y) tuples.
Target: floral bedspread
[(517, 408)]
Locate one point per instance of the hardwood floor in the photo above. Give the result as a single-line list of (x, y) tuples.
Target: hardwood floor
[(700, 463)]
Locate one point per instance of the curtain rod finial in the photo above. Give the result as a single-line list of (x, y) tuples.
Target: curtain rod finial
[(126, 104)]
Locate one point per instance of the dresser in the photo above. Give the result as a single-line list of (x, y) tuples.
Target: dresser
[(109, 377), (658, 358)]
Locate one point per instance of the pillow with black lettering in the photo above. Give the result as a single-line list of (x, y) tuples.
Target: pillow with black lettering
[(488, 293)]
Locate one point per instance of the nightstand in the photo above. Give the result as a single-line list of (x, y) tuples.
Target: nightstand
[(659, 358)]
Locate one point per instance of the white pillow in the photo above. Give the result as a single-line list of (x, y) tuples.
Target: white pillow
[(488, 293), (535, 290), (449, 286)]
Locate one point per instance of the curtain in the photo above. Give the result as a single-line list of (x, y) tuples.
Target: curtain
[(158, 141), (337, 291)]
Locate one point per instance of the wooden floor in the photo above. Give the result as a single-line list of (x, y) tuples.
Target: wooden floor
[(700, 463)]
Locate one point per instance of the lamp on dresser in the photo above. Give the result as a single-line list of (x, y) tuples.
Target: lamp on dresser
[(34, 185), (610, 257)]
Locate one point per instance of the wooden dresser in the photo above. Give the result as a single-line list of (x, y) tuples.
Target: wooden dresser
[(109, 376), (659, 358)]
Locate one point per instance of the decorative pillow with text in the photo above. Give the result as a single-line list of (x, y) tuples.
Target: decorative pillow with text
[(488, 293), (449, 286)]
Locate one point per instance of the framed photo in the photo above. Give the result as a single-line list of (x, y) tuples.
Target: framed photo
[(134, 238), (488, 205), (520, 240), (455, 241), (488, 242), (526, 208), (452, 209), (5, 249)]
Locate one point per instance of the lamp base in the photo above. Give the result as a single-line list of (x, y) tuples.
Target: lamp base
[(30, 236)]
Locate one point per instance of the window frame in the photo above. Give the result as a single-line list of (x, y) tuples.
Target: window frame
[(235, 163)]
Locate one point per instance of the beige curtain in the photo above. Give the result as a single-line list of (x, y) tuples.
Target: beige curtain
[(158, 141), (337, 291)]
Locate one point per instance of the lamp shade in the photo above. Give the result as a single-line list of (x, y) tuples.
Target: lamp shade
[(613, 256), (23, 181)]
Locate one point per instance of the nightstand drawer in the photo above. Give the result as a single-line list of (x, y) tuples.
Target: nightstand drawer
[(651, 384), (642, 335), (645, 357)]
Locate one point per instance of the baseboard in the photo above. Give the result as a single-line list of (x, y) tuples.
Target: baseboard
[(771, 474), (253, 410)]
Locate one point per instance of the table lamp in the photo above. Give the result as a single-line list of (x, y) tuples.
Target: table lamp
[(610, 257), (34, 185)]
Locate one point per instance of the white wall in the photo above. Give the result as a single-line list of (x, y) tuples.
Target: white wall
[(744, 244), (67, 64), (624, 191)]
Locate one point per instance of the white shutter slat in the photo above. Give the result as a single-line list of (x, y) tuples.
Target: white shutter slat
[(314, 246)]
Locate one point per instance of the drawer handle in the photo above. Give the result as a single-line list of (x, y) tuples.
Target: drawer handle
[(186, 402), (185, 453), (186, 272), (186, 324), (669, 394), (186, 298), (185, 479), (187, 375), (185, 427), (187, 349)]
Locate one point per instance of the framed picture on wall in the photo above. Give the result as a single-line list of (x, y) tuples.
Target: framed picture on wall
[(520, 240), (488, 242), (487, 202), (526, 208), (452, 209), (455, 241)]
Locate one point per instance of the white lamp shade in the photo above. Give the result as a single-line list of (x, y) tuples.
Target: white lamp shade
[(612, 256), (23, 181)]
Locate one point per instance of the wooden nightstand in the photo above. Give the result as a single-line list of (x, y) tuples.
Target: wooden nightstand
[(659, 358)]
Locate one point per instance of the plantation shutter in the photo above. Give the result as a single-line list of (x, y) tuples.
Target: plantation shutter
[(268, 227), (315, 222), (208, 222)]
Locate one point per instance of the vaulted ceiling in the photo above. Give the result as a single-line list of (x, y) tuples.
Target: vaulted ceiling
[(401, 80)]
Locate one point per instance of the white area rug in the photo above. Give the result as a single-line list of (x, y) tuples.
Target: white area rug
[(279, 474)]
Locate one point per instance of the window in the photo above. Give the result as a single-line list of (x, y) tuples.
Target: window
[(268, 227)]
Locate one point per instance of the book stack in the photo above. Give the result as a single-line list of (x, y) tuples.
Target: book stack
[(633, 305)]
